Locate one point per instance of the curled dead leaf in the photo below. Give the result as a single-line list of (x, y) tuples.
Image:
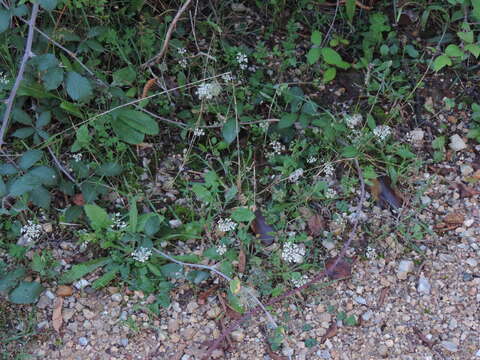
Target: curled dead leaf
[(454, 218), (466, 191), (57, 318), (262, 230), (202, 298), (64, 290), (331, 332), (342, 270)]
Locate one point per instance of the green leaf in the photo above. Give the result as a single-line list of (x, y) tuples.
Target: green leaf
[(329, 74), (441, 61), (71, 108), (466, 36), (126, 133), (332, 57), (77, 86), (316, 38), (125, 76), (29, 158), (4, 20), (476, 9), (235, 285), (287, 120), (23, 185), (48, 5), (453, 50), (52, 78), (439, 143), (45, 61), (23, 133), (109, 169), (197, 276), (22, 117), (350, 151), (8, 169), (3, 188), (152, 224), (474, 49), (132, 214), (33, 89), (106, 278), (26, 293), (174, 271), (44, 174), (411, 51), (44, 119), (80, 270), (350, 9), (73, 213), (41, 197), (138, 121), (11, 279), (82, 139), (243, 214), (313, 55), (350, 320), (98, 217), (230, 131)]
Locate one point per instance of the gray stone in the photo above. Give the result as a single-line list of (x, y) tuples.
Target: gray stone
[(43, 302), (238, 335), (404, 267), (324, 354), (450, 346), (329, 245), (424, 286), (83, 341), (116, 297), (472, 262), (124, 342), (360, 300), (457, 143), (466, 170)]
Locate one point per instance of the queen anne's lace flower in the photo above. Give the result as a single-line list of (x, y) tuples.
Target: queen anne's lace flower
[(31, 231), (353, 120), (226, 224), (117, 222), (198, 132), (77, 157), (3, 79), (300, 281), (328, 169), (242, 60), (208, 90), (382, 132), (311, 160), (293, 253), (142, 254), (277, 146)]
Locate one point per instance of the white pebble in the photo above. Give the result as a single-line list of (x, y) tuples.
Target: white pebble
[(424, 286), (457, 143), (450, 346)]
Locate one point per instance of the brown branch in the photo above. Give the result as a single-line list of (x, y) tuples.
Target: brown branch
[(162, 52), (317, 278)]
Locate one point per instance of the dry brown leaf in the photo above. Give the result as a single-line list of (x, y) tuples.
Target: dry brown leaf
[(78, 200), (57, 318), (316, 224), (202, 298), (64, 290), (342, 270), (262, 230), (384, 194), (454, 218), (331, 332), (466, 191), (423, 338), (242, 260)]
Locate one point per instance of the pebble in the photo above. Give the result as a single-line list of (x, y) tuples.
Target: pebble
[(287, 351), (175, 223), (173, 325), (329, 245), (424, 286), (238, 335), (50, 295), (472, 262), (366, 316), (80, 284), (457, 143), (404, 267), (478, 353), (360, 300), (468, 222), (88, 314), (450, 346), (116, 297), (324, 354), (124, 342), (466, 170), (83, 341), (43, 302), (192, 306)]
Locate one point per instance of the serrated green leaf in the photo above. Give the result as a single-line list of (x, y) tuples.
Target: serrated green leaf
[(80, 270), (22, 117), (44, 174), (287, 120), (332, 57), (243, 214), (109, 169), (350, 9), (98, 217), (316, 38), (77, 86), (52, 78), (73, 213), (29, 158), (230, 131), (441, 61), (138, 121), (11, 279), (132, 214), (466, 36), (71, 108), (26, 293), (127, 133), (4, 20), (82, 139), (45, 61), (197, 276), (474, 49), (41, 197), (172, 270), (125, 76)]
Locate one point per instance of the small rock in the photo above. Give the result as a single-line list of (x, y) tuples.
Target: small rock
[(404, 267), (123, 316), (43, 302), (287, 351), (424, 286), (67, 314), (367, 315), (425, 200), (329, 245), (50, 295), (238, 335), (466, 169), (47, 227), (124, 342), (477, 354), (383, 350), (457, 143), (173, 325), (217, 354), (360, 300), (42, 324), (116, 297), (467, 276), (161, 335), (192, 306), (88, 314), (175, 223), (80, 284), (64, 290), (83, 341), (324, 354), (450, 346), (472, 262), (416, 136), (214, 312), (468, 222)]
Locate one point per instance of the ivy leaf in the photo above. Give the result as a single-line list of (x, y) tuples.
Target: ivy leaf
[(474, 49), (466, 36), (98, 217), (77, 86), (26, 293), (230, 131)]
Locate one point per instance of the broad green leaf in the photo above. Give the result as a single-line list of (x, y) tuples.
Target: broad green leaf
[(197, 276), (316, 38), (139, 121), (22, 117), (109, 169), (44, 119), (29, 158), (243, 214), (476, 9), (329, 74), (466, 36), (127, 133), (203, 194), (439, 143), (287, 120), (235, 285), (350, 9), (152, 224), (11, 279), (125, 76), (310, 108), (82, 139), (24, 184), (52, 78), (33, 89), (172, 270), (230, 131), (441, 61), (26, 293), (474, 49), (313, 55), (351, 320), (98, 217), (80, 270), (71, 108), (73, 213), (3, 188), (48, 5), (453, 50), (332, 57), (411, 51), (77, 86), (44, 174), (23, 133), (41, 197), (45, 61), (4, 20), (8, 169), (103, 280)]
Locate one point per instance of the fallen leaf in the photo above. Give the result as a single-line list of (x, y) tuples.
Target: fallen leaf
[(331, 332), (64, 290), (466, 191), (262, 230), (384, 194), (57, 318), (242, 259), (202, 298), (316, 224), (78, 200), (454, 218), (383, 296), (342, 270)]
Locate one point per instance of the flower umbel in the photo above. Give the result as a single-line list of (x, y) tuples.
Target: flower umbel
[(242, 60), (31, 231), (300, 281), (293, 253), (118, 223), (221, 249), (142, 254), (226, 224), (382, 132), (198, 132), (208, 90)]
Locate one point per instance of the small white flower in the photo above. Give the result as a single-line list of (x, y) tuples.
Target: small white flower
[(228, 77), (353, 120), (183, 63), (31, 231), (264, 125), (311, 160), (371, 252), (292, 252), (221, 249), (3, 79), (77, 157), (226, 224), (182, 51), (118, 223), (208, 90), (301, 281), (142, 254), (242, 60), (328, 169), (252, 68), (198, 132), (294, 176), (382, 132), (330, 193), (277, 146)]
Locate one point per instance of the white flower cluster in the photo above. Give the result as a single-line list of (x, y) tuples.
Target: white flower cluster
[(382, 132), (371, 253), (277, 147), (294, 176), (77, 157), (198, 132), (300, 281), (330, 193), (3, 79), (328, 169), (228, 77), (353, 120), (142, 254), (208, 90), (311, 160), (264, 125), (221, 249), (226, 224), (181, 51), (293, 253), (242, 60), (118, 223), (31, 231)]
